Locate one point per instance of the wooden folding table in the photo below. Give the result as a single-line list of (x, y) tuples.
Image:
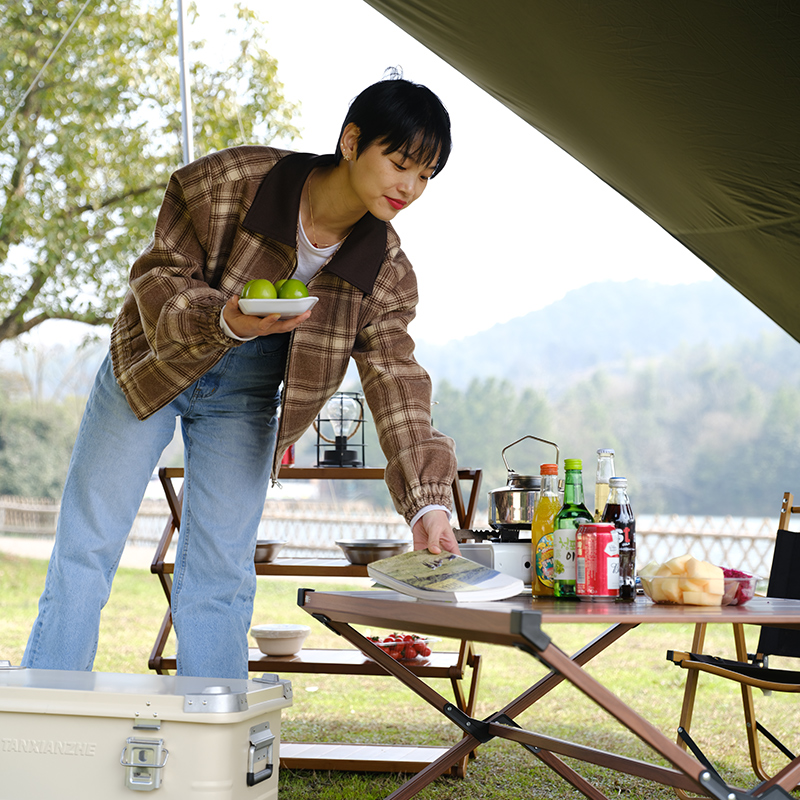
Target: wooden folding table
[(521, 623)]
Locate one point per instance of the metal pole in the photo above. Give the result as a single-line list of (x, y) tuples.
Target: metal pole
[(186, 99)]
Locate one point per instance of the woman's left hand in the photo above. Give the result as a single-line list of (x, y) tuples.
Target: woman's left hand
[(434, 532), (247, 325)]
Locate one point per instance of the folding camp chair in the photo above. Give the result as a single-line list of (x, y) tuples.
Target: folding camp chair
[(751, 670)]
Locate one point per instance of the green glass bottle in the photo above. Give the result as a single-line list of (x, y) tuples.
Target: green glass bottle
[(571, 516)]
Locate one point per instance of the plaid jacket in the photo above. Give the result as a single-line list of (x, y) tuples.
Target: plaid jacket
[(232, 216)]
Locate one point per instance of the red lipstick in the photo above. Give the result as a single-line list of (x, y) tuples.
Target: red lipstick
[(396, 204)]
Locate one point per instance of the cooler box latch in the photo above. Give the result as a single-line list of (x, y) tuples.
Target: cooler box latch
[(143, 760), (259, 757)]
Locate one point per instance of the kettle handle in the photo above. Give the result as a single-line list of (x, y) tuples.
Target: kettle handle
[(544, 441)]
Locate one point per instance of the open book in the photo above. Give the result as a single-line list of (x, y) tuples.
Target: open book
[(444, 577)]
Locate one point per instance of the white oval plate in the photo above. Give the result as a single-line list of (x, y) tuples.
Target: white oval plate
[(286, 308)]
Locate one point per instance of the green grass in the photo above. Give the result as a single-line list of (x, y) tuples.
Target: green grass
[(381, 710)]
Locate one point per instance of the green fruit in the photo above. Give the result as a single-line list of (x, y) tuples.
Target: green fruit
[(293, 289), (259, 289), (279, 283)]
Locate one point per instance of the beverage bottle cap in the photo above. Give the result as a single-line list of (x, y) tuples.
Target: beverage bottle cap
[(605, 451), (618, 482), (573, 463), (549, 469)]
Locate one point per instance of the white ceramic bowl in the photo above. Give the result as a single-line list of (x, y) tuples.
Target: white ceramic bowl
[(280, 639)]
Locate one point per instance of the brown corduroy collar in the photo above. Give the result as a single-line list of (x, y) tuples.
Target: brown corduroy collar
[(275, 211)]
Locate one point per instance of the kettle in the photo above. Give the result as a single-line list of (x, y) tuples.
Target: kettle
[(511, 506)]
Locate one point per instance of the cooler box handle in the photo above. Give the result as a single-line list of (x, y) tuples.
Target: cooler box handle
[(259, 757)]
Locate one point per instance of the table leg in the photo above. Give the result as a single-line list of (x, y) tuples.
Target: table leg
[(785, 780), (527, 625), (476, 731), (553, 678)]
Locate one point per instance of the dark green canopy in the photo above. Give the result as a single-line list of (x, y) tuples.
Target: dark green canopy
[(689, 108)]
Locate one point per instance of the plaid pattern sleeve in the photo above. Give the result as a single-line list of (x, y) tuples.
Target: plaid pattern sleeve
[(421, 462), (167, 333)]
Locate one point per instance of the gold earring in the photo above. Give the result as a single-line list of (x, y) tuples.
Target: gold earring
[(344, 155)]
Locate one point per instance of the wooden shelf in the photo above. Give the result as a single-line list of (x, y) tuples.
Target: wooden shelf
[(360, 757), (442, 665), (342, 662), (313, 567)]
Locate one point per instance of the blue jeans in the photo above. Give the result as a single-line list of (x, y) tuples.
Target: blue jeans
[(229, 425)]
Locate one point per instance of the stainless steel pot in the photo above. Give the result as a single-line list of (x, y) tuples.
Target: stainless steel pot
[(511, 506)]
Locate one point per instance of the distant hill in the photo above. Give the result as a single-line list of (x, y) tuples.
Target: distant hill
[(613, 324), (604, 323)]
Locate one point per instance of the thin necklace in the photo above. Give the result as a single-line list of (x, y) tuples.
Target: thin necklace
[(311, 213), (313, 228)]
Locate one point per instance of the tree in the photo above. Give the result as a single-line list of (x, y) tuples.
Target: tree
[(35, 444), (86, 154)]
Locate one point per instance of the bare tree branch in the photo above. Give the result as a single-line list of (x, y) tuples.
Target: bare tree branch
[(113, 200)]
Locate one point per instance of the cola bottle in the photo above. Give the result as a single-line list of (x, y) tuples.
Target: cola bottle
[(618, 511)]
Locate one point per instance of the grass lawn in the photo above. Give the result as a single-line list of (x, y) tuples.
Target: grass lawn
[(380, 710)]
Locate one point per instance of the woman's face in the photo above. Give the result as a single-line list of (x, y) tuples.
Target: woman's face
[(387, 183)]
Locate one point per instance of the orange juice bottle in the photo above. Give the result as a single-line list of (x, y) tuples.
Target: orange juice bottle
[(542, 525)]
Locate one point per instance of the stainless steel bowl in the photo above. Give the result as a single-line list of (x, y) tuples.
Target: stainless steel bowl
[(267, 550), (365, 551)]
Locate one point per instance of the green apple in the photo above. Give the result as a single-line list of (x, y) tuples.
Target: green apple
[(292, 289), (279, 283), (259, 289)]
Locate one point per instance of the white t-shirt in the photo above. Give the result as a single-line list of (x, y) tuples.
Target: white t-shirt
[(310, 258), (309, 262)]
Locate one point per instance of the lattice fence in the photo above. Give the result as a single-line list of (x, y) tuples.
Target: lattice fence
[(742, 543), (28, 516), (312, 528)]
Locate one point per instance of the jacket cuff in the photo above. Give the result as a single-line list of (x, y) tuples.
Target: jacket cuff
[(228, 332)]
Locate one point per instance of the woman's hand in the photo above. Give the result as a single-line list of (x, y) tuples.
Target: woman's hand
[(434, 532), (247, 326)]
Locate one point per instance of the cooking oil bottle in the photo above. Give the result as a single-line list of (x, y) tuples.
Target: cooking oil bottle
[(544, 516)]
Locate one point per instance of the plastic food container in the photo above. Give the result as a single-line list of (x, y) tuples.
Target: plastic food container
[(739, 588), (281, 639)]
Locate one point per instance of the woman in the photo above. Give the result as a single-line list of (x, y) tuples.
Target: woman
[(181, 347)]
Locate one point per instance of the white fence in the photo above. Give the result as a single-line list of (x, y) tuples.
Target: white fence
[(311, 529)]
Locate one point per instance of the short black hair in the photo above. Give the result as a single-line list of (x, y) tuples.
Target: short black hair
[(405, 117)]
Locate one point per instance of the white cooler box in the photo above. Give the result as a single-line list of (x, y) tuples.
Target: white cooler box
[(103, 736)]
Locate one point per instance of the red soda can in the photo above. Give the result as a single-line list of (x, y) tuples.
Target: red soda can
[(288, 457), (597, 562)]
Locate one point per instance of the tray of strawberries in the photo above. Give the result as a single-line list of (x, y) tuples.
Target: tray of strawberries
[(404, 646)]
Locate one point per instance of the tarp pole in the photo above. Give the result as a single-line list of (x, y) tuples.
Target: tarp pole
[(186, 100)]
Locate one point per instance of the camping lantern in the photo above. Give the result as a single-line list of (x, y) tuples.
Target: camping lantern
[(343, 414)]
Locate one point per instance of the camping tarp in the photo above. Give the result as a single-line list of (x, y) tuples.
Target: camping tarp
[(689, 108)]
